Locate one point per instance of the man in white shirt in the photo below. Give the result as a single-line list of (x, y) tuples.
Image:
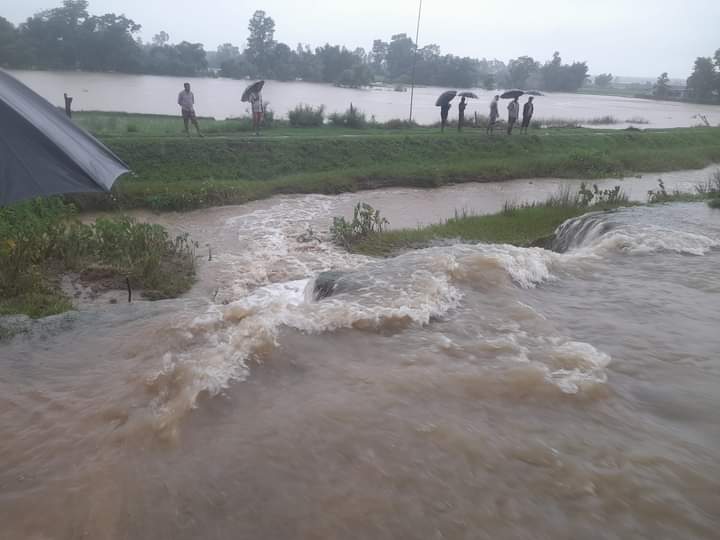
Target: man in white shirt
[(186, 100)]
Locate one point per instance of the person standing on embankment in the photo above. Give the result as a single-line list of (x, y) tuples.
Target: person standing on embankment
[(461, 113), (494, 115), (444, 111), (513, 112), (186, 100), (528, 111), (257, 111)]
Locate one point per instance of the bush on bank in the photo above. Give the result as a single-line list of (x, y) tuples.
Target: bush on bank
[(42, 239)]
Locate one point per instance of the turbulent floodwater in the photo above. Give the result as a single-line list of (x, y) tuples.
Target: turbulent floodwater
[(221, 98), (465, 391)]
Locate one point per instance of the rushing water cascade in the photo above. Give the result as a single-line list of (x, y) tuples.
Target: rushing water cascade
[(462, 391)]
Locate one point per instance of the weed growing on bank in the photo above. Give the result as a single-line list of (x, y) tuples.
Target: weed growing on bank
[(307, 116), (351, 118), (366, 221), (42, 239)]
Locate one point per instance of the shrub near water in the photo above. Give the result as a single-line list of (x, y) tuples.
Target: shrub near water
[(43, 239), (352, 118), (307, 116)]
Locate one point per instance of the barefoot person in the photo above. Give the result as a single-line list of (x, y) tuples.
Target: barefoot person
[(528, 111), (186, 100)]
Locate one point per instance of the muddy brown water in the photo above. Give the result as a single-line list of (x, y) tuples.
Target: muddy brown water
[(464, 391)]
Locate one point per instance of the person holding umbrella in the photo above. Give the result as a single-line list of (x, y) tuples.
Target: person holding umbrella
[(513, 113), (444, 111), (528, 110), (257, 110), (444, 103), (494, 115), (253, 95)]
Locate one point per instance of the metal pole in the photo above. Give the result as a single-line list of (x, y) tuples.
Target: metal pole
[(417, 38)]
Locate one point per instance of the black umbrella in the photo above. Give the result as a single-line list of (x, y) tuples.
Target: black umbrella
[(42, 152), (254, 88), (534, 93), (445, 97), (512, 94), (468, 95)]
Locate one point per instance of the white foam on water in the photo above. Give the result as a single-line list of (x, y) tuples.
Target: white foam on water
[(650, 239), (576, 365)]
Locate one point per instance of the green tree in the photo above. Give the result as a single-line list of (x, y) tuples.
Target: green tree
[(109, 44), (161, 39), (9, 54), (261, 41), (702, 85), (225, 52), (604, 80), (520, 70), (378, 56), (662, 86), (488, 81), (55, 37), (400, 57)]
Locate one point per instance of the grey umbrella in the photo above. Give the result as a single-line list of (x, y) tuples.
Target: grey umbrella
[(254, 88), (446, 97), (512, 94), (43, 153), (468, 95)]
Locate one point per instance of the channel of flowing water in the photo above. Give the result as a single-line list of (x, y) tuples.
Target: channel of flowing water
[(464, 391)]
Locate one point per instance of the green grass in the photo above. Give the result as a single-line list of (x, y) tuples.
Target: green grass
[(39, 302), (523, 227), (175, 173), (43, 239)]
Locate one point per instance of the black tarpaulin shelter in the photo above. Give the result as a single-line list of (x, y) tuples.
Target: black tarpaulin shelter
[(42, 152)]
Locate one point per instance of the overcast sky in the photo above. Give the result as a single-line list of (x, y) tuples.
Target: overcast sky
[(625, 37)]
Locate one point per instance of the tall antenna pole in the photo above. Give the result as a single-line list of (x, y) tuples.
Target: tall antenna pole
[(417, 38)]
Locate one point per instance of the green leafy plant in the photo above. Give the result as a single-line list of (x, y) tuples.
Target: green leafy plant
[(352, 118), (366, 221)]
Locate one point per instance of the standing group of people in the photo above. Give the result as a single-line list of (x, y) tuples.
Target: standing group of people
[(186, 100), (513, 114)]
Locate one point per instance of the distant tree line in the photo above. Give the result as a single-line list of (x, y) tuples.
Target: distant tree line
[(69, 37), (703, 85)]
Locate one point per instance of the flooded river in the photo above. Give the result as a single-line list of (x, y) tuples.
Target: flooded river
[(221, 98), (465, 391)]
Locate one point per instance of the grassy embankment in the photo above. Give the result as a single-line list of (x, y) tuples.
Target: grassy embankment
[(176, 173), (524, 225), (42, 240), (521, 225)]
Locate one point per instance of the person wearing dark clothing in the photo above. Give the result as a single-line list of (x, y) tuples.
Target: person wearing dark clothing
[(513, 113), (444, 110), (528, 110), (494, 115), (461, 113)]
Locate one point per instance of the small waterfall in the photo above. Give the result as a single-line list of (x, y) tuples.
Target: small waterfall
[(579, 231)]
